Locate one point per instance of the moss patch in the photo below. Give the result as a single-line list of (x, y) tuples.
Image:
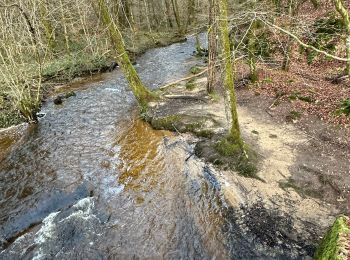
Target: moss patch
[(182, 124), (190, 85), (226, 153), (331, 246), (195, 70), (165, 123)]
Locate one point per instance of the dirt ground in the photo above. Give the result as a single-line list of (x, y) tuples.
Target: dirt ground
[(304, 165), (322, 163)]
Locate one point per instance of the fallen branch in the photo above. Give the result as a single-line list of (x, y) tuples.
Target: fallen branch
[(194, 76), (185, 97), (183, 79)]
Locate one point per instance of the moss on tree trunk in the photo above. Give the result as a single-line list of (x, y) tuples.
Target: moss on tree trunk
[(333, 244), (229, 72), (339, 5), (212, 46), (142, 94)]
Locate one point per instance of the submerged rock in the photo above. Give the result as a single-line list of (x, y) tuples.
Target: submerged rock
[(58, 100)]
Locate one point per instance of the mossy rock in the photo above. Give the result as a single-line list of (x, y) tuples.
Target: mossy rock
[(183, 124), (333, 244), (190, 85), (228, 154)]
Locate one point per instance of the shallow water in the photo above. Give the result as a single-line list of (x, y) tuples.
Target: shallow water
[(93, 181)]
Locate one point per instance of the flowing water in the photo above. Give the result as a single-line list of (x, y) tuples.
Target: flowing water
[(92, 181)]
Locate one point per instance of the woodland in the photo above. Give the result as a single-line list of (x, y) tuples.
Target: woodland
[(293, 56)]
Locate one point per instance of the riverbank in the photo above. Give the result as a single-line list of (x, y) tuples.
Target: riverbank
[(302, 164), (79, 66)]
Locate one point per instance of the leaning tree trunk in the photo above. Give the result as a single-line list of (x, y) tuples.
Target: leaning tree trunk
[(346, 20), (229, 73), (212, 46), (142, 94)]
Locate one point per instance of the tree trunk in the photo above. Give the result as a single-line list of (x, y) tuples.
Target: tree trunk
[(251, 53), (346, 20), (167, 13), (142, 94), (288, 47), (191, 12), (235, 133), (48, 28), (147, 16), (176, 14), (65, 30), (212, 46)]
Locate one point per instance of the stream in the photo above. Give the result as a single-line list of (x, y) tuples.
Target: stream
[(92, 181)]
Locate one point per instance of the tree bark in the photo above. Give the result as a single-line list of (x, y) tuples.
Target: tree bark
[(235, 133), (167, 13), (142, 94), (212, 46), (339, 5), (176, 14)]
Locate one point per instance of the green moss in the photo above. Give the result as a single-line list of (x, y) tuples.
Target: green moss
[(298, 96), (344, 108), (294, 96), (165, 123), (195, 70), (228, 147), (205, 133), (244, 162), (330, 246), (190, 85), (214, 96), (267, 80), (293, 115), (307, 99)]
